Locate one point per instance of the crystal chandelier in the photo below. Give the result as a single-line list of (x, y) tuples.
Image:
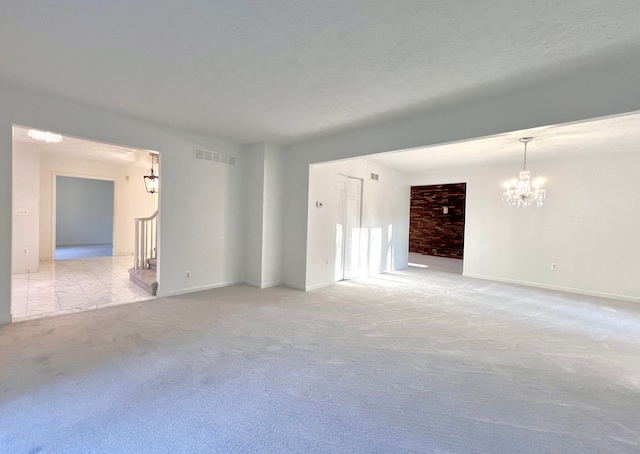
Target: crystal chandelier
[(519, 192)]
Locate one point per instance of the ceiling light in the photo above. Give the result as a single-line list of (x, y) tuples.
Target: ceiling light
[(151, 179), (44, 136), (519, 191)]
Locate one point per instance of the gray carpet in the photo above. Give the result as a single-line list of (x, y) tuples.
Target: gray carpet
[(414, 361)]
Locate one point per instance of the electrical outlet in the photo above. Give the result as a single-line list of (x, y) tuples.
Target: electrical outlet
[(554, 266), (188, 273), (26, 250), (22, 212)]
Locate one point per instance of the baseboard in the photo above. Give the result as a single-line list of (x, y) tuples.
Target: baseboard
[(560, 288), (293, 286), (270, 284), (309, 288), (162, 294), (252, 283)]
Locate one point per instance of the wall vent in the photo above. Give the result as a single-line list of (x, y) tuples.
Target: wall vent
[(375, 176), (213, 156)]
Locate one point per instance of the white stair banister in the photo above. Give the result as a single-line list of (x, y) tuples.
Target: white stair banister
[(146, 240)]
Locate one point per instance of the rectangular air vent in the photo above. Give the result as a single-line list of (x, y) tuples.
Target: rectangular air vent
[(375, 176), (213, 156)]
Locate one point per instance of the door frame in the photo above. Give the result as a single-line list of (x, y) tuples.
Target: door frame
[(54, 176)]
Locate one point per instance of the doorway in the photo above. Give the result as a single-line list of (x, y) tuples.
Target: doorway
[(84, 217), (349, 219), (43, 284), (436, 227)]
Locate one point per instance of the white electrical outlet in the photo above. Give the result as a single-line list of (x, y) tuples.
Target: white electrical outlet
[(188, 273), (26, 250), (554, 266), (22, 212)]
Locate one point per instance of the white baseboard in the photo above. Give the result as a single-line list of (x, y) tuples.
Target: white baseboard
[(294, 286), (252, 283), (560, 288), (261, 286), (270, 284), (308, 288), (197, 289)]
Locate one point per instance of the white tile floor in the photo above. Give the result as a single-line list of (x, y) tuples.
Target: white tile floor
[(67, 286)]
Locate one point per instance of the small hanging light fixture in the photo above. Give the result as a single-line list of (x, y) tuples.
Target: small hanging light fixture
[(519, 192), (151, 179)]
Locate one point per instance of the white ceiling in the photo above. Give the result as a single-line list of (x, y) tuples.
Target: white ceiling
[(290, 70), (619, 134), (75, 148)]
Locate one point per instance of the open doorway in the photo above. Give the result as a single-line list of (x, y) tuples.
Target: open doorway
[(55, 209), (84, 217), (436, 227)]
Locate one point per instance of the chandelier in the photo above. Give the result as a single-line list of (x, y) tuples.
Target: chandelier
[(519, 192), (151, 179)]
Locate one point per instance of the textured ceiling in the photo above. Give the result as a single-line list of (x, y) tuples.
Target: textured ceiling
[(74, 148), (292, 70), (619, 134)]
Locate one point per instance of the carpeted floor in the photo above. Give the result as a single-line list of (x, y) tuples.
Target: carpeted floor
[(413, 361)]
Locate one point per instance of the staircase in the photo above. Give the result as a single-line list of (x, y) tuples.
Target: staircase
[(145, 262)]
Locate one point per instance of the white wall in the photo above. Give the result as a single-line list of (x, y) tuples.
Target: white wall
[(273, 207), (26, 195), (584, 94), (254, 190), (586, 225), (384, 232), (84, 211), (132, 200), (264, 213), (201, 210)]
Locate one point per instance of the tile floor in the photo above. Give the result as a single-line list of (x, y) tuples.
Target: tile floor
[(67, 286)]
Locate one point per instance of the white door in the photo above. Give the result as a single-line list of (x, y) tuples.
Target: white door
[(348, 227)]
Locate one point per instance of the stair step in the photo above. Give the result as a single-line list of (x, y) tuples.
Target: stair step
[(152, 263), (145, 279)]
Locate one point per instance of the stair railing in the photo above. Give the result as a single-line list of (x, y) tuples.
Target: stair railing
[(146, 240)]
